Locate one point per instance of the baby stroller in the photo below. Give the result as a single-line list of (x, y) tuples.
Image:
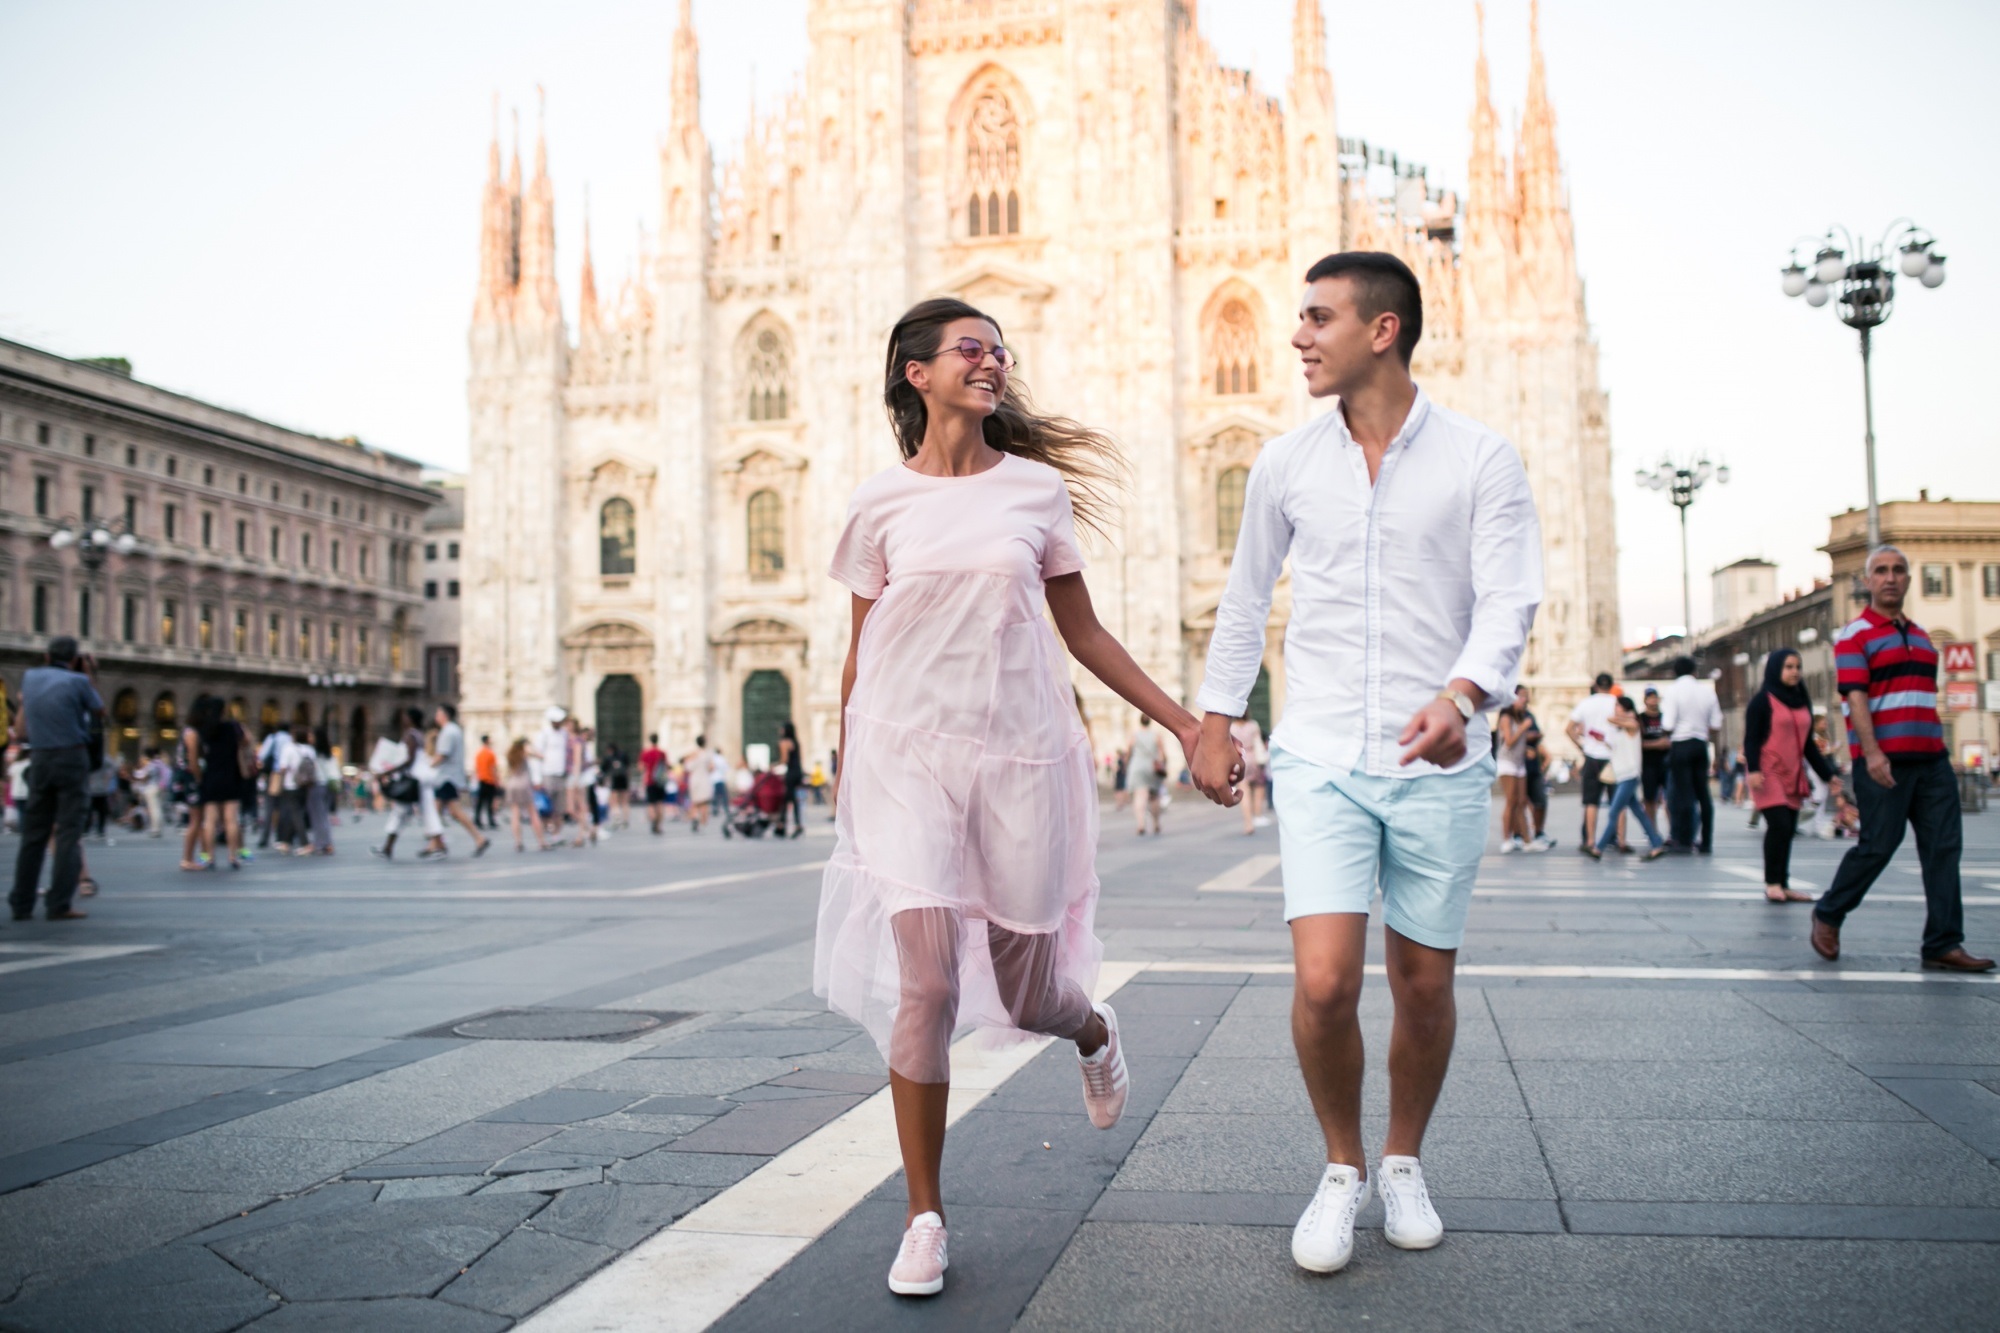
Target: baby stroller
[(757, 809)]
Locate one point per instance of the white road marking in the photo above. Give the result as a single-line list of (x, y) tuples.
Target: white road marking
[(1243, 876), (1591, 972), (55, 955), (690, 1275), (1755, 874), (481, 895)]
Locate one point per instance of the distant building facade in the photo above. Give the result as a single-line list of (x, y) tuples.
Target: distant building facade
[(1741, 589), (266, 556), (651, 504), (444, 532)]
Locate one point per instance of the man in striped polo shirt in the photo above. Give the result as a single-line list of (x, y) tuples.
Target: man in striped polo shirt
[(1888, 687)]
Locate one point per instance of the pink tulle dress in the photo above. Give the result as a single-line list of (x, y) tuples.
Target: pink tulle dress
[(962, 888)]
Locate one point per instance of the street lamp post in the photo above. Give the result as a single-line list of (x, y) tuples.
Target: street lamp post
[(93, 540), (1681, 481), (1864, 291)]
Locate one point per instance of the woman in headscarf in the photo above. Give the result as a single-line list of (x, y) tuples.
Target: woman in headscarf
[(1778, 746)]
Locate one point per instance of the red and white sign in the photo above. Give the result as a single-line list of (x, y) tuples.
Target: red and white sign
[(1961, 657), (1961, 696)]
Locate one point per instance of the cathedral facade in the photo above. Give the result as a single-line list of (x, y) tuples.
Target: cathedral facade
[(651, 503)]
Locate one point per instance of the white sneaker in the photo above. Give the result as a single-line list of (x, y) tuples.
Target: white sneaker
[(921, 1261), (1323, 1241), (1542, 843), (1105, 1082), (1410, 1223), (1509, 845)]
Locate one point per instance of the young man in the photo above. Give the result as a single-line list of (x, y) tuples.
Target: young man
[(552, 753), (1416, 571), (1537, 782), (1692, 716), (1888, 689), (653, 777), (450, 784), (1654, 742), (486, 777), (58, 703), (1590, 732)]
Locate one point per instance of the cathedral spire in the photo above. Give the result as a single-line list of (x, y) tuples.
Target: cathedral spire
[(1547, 243), (586, 295), (496, 236), (540, 300), (687, 75), (1312, 85), (1541, 187), (1313, 140)]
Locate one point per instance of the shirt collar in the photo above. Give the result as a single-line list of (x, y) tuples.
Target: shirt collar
[(1874, 617), (1420, 409)]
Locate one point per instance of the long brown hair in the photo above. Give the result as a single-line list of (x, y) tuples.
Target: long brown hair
[(1088, 460)]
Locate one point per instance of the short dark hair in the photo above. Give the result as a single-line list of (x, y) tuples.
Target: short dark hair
[(1625, 702), (653, 739), (62, 650), (1603, 681), (701, 742), (484, 739), (1683, 665), (451, 713), (1381, 282)]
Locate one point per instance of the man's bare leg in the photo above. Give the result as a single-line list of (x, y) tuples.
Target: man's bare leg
[(1426, 1023), (1328, 951)]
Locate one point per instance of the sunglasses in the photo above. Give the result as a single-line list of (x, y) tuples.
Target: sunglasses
[(974, 352)]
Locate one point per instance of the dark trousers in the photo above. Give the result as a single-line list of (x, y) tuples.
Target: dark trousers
[(1687, 790), (58, 802), (1925, 797), (291, 817), (483, 797), (1781, 825)]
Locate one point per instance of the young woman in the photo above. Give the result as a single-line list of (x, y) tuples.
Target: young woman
[(216, 758), (1511, 763), (521, 796), (962, 886), (1249, 738), (792, 763), (1627, 764), (1779, 745)]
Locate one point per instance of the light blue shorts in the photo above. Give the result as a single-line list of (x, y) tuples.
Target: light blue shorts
[(1341, 834)]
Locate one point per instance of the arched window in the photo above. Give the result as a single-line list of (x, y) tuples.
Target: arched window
[(766, 527), (767, 376), (617, 538), (1234, 350), (992, 166), (1229, 506)]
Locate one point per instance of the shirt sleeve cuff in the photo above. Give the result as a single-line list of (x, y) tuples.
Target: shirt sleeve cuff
[(1211, 700), (1493, 682)]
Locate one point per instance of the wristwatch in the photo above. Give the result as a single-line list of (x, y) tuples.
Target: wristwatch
[(1460, 701)]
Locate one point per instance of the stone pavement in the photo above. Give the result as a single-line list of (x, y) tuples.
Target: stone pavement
[(252, 1100)]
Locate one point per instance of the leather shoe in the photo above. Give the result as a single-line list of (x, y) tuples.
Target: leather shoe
[(69, 914), (1958, 960), (1825, 939)]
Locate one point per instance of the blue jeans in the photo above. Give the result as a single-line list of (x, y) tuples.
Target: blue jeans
[(1626, 797)]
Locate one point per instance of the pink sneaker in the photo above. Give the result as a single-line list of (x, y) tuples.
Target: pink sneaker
[(1104, 1080), (920, 1263)]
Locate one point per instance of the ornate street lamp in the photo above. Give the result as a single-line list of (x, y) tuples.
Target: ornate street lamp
[(1863, 289), (1681, 481), (93, 540)]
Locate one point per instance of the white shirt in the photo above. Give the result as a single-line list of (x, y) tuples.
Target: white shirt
[(1627, 753), (1431, 573), (1593, 714), (554, 745), (1688, 709)]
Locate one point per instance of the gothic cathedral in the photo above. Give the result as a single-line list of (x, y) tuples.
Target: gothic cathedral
[(651, 503)]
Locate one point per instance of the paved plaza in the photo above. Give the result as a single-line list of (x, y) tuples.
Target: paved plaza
[(255, 1100)]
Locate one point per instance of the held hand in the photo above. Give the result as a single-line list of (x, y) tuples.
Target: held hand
[(1216, 769), (1436, 734), (1878, 769)]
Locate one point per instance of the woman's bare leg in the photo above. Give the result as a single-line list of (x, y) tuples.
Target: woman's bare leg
[(920, 1109)]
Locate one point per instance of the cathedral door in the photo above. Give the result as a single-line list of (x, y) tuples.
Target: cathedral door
[(620, 715), (767, 706)]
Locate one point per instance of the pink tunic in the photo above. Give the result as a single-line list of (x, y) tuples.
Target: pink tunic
[(967, 781), (1783, 759)]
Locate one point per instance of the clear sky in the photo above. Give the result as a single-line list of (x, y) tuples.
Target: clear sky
[(276, 207)]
